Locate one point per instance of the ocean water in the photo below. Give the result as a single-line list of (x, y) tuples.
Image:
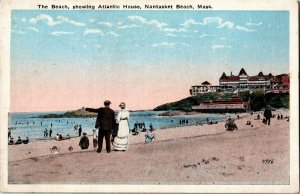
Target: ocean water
[(26, 125)]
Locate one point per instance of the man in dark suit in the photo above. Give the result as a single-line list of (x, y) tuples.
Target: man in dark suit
[(105, 122)]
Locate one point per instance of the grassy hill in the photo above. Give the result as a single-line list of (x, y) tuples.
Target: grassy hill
[(71, 114), (258, 100)]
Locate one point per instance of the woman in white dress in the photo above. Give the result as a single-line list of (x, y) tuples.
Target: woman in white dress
[(122, 140)]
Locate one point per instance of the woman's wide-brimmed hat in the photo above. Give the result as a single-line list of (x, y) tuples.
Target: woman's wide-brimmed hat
[(122, 104)]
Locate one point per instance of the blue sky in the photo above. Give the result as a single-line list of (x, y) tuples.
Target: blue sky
[(188, 46)]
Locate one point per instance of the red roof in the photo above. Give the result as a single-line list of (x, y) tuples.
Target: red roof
[(231, 78), (223, 76), (205, 83), (243, 72), (257, 78), (260, 74)]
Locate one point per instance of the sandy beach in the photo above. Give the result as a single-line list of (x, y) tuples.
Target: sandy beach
[(205, 154)]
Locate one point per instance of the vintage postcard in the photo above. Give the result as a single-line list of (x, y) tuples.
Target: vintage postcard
[(149, 96)]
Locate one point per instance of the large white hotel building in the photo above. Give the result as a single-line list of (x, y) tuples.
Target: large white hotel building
[(243, 81)]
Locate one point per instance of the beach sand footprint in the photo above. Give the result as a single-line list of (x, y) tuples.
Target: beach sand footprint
[(34, 159), (227, 174)]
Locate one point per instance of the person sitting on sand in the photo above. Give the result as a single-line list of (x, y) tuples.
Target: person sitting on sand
[(26, 140), (19, 141), (248, 123), (149, 136), (257, 117), (135, 132), (11, 141), (230, 125), (57, 137), (210, 122), (84, 142), (61, 137)]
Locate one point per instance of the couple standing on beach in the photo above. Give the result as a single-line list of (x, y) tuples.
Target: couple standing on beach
[(106, 123)]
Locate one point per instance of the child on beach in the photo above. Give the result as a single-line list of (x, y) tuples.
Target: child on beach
[(95, 140), (149, 135)]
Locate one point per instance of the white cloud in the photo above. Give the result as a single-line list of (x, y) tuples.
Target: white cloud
[(173, 30), (127, 26), (52, 22), (113, 34), (33, 29), (220, 46), (105, 24), (142, 20), (93, 31), (167, 44), (212, 20), (254, 24), (67, 20), (241, 28), (209, 20), (170, 34), (43, 17), (189, 23), (227, 24), (59, 33), (204, 35), (23, 20)]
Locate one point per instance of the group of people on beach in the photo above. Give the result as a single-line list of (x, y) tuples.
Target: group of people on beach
[(114, 130), (19, 141), (48, 132), (183, 121)]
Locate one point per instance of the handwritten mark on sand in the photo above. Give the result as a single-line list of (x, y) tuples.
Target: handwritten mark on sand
[(268, 161)]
